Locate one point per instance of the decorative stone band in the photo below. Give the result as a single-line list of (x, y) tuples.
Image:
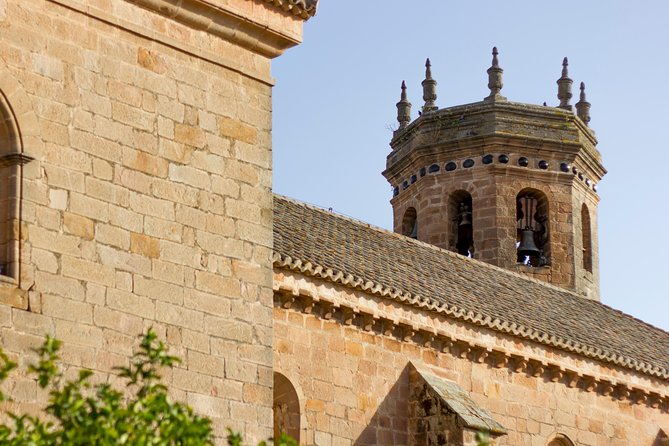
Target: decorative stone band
[(490, 159), (302, 300), (228, 25), (310, 303), (15, 159), (301, 8)]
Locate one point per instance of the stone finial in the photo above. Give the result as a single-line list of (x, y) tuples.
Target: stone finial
[(403, 109), (564, 87), (495, 79), (429, 89), (583, 106)]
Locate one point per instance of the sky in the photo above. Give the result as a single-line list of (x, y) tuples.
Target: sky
[(335, 95)]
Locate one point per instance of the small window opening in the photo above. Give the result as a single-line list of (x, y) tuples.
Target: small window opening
[(586, 233), (462, 226), (532, 228), (410, 223)]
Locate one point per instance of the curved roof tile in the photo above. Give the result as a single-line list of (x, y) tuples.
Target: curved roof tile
[(356, 254)]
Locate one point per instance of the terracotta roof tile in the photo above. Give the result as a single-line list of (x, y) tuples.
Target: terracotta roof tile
[(395, 266)]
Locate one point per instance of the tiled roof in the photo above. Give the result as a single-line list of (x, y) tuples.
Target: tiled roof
[(302, 8), (335, 248)]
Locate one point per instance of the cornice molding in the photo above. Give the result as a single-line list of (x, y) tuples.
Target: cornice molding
[(205, 16), (452, 311), (291, 298)]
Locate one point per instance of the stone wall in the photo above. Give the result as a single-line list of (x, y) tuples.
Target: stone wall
[(149, 200), (348, 355), (493, 152)]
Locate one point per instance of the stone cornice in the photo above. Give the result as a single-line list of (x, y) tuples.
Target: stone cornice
[(427, 304), (472, 126), (225, 23), (304, 9), (292, 297)]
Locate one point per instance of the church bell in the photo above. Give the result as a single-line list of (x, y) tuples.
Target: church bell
[(527, 247)]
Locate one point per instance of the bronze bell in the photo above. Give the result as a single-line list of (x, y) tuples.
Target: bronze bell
[(465, 215), (527, 246)]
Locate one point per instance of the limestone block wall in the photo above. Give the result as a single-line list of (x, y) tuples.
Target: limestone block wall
[(148, 203), (347, 353)]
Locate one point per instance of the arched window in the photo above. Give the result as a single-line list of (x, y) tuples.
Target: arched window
[(533, 247), (410, 223), (11, 160), (461, 225), (586, 233), (286, 408), (560, 440)]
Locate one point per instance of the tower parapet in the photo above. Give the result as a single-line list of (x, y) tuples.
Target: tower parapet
[(511, 184)]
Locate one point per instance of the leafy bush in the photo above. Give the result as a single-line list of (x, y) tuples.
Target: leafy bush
[(81, 413)]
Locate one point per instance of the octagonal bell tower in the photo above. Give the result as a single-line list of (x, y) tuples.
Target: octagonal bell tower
[(511, 184)]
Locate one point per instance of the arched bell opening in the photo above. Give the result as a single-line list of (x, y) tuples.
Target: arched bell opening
[(461, 223), (532, 246), (586, 235), (410, 223), (286, 408)]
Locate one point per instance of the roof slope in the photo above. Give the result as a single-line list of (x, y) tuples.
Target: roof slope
[(392, 265)]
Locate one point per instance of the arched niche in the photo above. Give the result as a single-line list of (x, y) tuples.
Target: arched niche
[(11, 162), (533, 227), (461, 225), (286, 408), (560, 440), (586, 235), (410, 223)]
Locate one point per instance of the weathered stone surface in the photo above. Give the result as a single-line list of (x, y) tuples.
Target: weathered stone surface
[(124, 222)]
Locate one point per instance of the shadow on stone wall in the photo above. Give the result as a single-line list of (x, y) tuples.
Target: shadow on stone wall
[(389, 423)]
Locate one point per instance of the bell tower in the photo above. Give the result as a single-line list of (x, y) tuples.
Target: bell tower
[(510, 184)]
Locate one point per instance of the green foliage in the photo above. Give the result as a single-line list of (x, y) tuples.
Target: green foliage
[(483, 439), (80, 413), (235, 439)]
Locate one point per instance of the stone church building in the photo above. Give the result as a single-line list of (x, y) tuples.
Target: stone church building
[(136, 192)]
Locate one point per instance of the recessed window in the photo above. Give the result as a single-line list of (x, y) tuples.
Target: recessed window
[(410, 223), (586, 234), (532, 245), (461, 223), (11, 161), (286, 408)]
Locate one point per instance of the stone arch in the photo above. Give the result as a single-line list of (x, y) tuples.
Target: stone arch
[(586, 236), (532, 214), (286, 408), (460, 223), (410, 223), (18, 126), (560, 440)]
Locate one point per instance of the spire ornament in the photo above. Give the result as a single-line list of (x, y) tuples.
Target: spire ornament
[(429, 89), (495, 83), (583, 106), (564, 87), (403, 109)]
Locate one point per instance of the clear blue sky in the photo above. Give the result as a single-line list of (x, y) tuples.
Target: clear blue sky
[(334, 103)]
